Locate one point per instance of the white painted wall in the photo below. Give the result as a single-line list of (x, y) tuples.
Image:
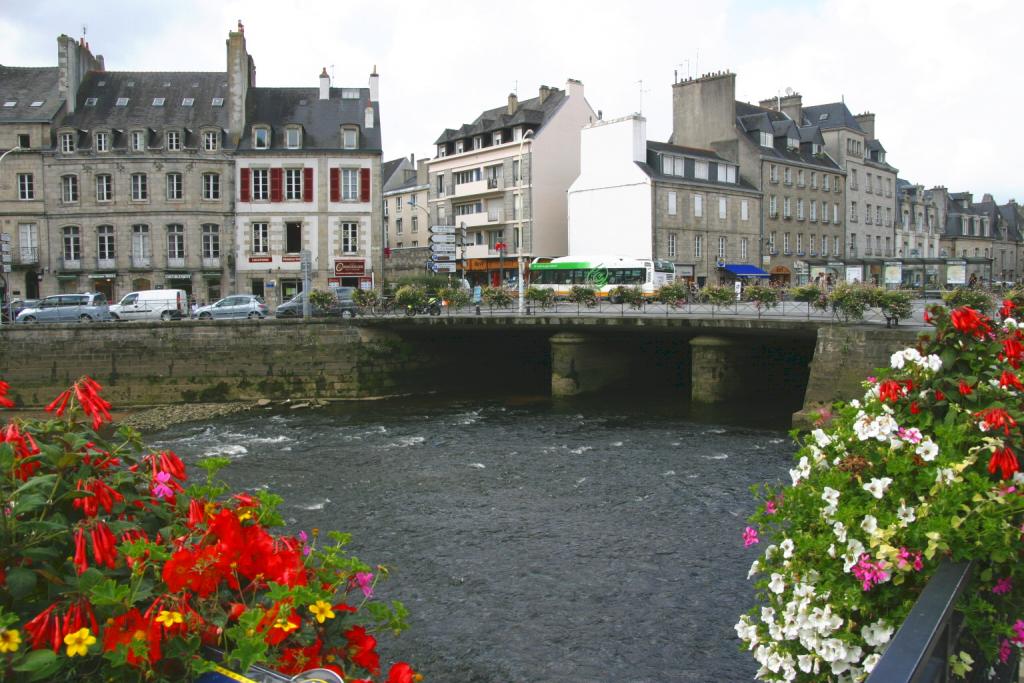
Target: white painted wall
[(610, 202)]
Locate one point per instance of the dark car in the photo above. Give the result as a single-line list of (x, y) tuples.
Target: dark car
[(343, 305)]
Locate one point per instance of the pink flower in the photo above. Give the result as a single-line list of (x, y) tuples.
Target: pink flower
[(872, 379), (1004, 651), (1018, 628), (770, 508), (365, 582), (1003, 586), (913, 435), (750, 537), (870, 573), (161, 489)]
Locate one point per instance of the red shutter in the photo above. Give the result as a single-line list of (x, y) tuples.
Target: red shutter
[(335, 185), (246, 184), (276, 193), (307, 184), (364, 184)]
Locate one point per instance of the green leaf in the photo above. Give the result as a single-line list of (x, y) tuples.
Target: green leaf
[(28, 504), (21, 582), (45, 480), (110, 592), (36, 660)]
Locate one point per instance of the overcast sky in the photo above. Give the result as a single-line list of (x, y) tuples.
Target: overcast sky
[(941, 76)]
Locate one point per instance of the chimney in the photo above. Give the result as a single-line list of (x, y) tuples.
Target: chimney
[(374, 85), (792, 106), (325, 85), (241, 73), (544, 92), (74, 61), (867, 122), (573, 88), (513, 103), (704, 110)]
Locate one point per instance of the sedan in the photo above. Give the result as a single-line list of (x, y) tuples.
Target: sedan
[(234, 306)]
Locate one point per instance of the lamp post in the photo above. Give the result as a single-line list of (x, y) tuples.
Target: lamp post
[(16, 148), (519, 242)]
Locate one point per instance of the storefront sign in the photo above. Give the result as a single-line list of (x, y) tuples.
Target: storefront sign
[(349, 267), (956, 272), (893, 273), (291, 258), (178, 276), (854, 274), (334, 281), (102, 276), (259, 259)]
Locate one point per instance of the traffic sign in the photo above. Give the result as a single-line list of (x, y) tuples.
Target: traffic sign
[(442, 239), (442, 248), (443, 267), (436, 258), (442, 229)]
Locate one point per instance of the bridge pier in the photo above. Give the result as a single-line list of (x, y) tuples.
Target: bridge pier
[(582, 364), (717, 369)]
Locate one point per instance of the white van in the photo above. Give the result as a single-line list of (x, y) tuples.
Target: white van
[(152, 304)]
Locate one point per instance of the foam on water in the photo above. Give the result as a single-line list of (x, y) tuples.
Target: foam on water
[(227, 451)]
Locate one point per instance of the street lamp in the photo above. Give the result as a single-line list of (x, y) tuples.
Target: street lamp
[(519, 242), (16, 148)]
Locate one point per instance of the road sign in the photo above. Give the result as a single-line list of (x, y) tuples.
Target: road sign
[(442, 239), (442, 248), (443, 267), (442, 229), (437, 258)]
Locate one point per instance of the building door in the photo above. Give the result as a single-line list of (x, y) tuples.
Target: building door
[(106, 286), (257, 286), (290, 289), (31, 285)]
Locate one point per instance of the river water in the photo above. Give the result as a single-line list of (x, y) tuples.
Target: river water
[(531, 540)]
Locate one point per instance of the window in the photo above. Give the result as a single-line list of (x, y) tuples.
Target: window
[(671, 245), (800, 178), (867, 214), (516, 175), (835, 246), (773, 206), (730, 173), (415, 225), (24, 140), (121, 102), (496, 138), (826, 181), (72, 243), (102, 142), (459, 146), (671, 203), (69, 188), (158, 101), (722, 207), (470, 176), (217, 102), (293, 183), (835, 213), (853, 179), (835, 184), (721, 247), (743, 248), (853, 211), (173, 140), (478, 142), (766, 139), (787, 211), (440, 185), (67, 142), (814, 180), (292, 238), (700, 170), (350, 139), (878, 215), (398, 226), (138, 141), (744, 210), (104, 187), (698, 246), (140, 192), (210, 141), (175, 241), (187, 101), (211, 240), (824, 245), (774, 173), (90, 101), (28, 242), (261, 138), (349, 238), (260, 184), (792, 143), (105, 242), (799, 209), (260, 240), (785, 244), (788, 176), (174, 186), (698, 205), (140, 246), (800, 243), (824, 212), (26, 186), (814, 210), (812, 245), (349, 184), (771, 241), (211, 186), (293, 137)]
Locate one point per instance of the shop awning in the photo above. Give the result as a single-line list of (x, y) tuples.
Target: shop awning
[(745, 270)]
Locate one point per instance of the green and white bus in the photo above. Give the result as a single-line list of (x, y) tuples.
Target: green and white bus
[(603, 273)]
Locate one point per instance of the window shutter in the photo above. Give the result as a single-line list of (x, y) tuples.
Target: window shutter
[(276, 185), (335, 185), (364, 184), (246, 184), (307, 184)]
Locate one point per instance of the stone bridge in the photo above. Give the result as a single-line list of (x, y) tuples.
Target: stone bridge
[(805, 363)]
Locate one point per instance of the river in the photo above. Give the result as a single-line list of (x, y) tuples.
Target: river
[(531, 540)]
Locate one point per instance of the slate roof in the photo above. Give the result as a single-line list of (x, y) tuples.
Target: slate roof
[(829, 116), (321, 120), (653, 168), (528, 113), (751, 120), (25, 85), (874, 146), (1012, 220), (687, 151), (388, 168)]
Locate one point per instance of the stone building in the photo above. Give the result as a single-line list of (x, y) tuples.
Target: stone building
[(406, 218), (645, 199), (968, 237), (504, 177), (870, 186), (783, 156), (920, 224), (1013, 224)]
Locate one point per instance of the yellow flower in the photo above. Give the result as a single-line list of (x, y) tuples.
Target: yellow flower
[(78, 642), (243, 514), (322, 611), (169, 619), (286, 625), (9, 641)]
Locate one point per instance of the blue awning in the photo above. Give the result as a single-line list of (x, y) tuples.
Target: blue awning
[(744, 270)]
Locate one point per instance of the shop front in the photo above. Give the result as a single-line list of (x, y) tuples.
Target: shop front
[(349, 272), (492, 272), (780, 276), (104, 282), (182, 281)]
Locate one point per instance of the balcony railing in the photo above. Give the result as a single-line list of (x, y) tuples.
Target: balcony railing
[(27, 255), (106, 264), (70, 263), (142, 262), (175, 262), (492, 183), (211, 262)]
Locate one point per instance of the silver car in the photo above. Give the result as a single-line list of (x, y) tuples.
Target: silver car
[(234, 306), (67, 308)]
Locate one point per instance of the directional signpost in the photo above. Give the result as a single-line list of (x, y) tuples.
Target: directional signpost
[(442, 229), (442, 248)]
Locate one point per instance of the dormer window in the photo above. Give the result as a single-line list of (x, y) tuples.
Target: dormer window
[(766, 139), (121, 102), (517, 134), (350, 93), (138, 141), (496, 138), (210, 143), (442, 151), (67, 142), (102, 141), (293, 137), (261, 138), (187, 101), (173, 140), (158, 101), (478, 142), (90, 101), (349, 138), (217, 102), (792, 143), (459, 146)]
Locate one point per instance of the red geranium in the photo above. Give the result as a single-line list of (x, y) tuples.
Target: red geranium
[(997, 418), (131, 629), (362, 649), (1005, 461), (970, 321)]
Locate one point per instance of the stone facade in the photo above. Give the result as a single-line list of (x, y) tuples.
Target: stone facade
[(920, 222), (407, 219)]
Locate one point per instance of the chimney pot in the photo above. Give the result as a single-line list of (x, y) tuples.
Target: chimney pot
[(513, 103), (325, 85)]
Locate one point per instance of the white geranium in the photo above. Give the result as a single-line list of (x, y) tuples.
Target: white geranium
[(754, 569), (927, 449), (877, 487), (945, 476), (787, 548), (802, 471), (821, 438), (905, 514), (839, 529), (777, 585), (854, 549), (831, 498), (871, 661), (878, 633), (869, 525)]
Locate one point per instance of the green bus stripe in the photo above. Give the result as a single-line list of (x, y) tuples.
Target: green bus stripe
[(559, 266)]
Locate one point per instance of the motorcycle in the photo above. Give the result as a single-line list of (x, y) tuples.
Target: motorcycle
[(431, 307)]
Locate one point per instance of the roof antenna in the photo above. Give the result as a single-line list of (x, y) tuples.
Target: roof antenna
[(332, 73), (515, 88), (85, 29), (642, 91)]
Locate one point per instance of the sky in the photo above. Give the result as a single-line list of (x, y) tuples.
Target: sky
[(940, 76)]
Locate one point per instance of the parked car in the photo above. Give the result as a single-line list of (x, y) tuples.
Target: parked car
[(152, 304), (16, 306), (66, 308), (234, 306), (343, 305)]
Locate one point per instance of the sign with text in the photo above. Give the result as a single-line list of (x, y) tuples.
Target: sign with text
[(443, 267), (442, 248), (893, 272), (956, 272), (259, 259), (442, 239), (349, 267), (442, 229), (437, 258)]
